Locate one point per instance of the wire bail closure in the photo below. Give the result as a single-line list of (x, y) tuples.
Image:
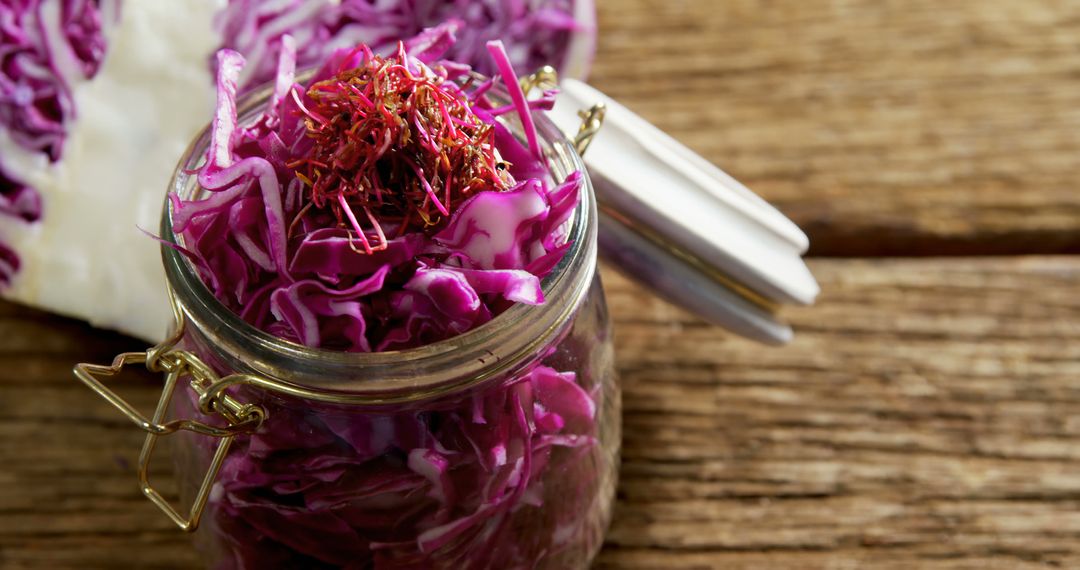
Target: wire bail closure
[(240, 418), (592, 119), (174, 364)]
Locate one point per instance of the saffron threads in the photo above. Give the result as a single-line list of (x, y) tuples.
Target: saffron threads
[(396, 149)]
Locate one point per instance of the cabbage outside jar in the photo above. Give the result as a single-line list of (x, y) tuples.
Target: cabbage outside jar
[(497, 448)]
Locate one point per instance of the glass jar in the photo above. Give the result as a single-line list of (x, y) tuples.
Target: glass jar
[(494, 449)]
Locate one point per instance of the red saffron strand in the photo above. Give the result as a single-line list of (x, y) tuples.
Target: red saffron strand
[(385, 135), (355, 224)]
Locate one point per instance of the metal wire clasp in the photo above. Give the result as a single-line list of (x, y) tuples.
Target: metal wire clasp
[(174, 364), (591, 119)]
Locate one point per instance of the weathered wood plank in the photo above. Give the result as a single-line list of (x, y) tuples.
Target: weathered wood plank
[(927, 415), (912, 127)]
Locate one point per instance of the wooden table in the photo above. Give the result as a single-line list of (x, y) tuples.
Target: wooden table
[(928, 413)]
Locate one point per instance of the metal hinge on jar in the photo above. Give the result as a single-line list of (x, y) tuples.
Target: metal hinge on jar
[(592, 119), (175, 364), (687, 230)]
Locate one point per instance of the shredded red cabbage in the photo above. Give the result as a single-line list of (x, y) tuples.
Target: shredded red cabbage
[(498, 480), (539, 32), (383, 206), (398, 237)]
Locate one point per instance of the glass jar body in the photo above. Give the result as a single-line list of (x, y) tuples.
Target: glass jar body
[(494, 449), (516, 471)]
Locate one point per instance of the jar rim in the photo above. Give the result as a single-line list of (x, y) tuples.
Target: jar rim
[(457, 363)]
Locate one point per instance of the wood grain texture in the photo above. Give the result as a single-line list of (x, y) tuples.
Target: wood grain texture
[(899, 127), (927, 415)]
